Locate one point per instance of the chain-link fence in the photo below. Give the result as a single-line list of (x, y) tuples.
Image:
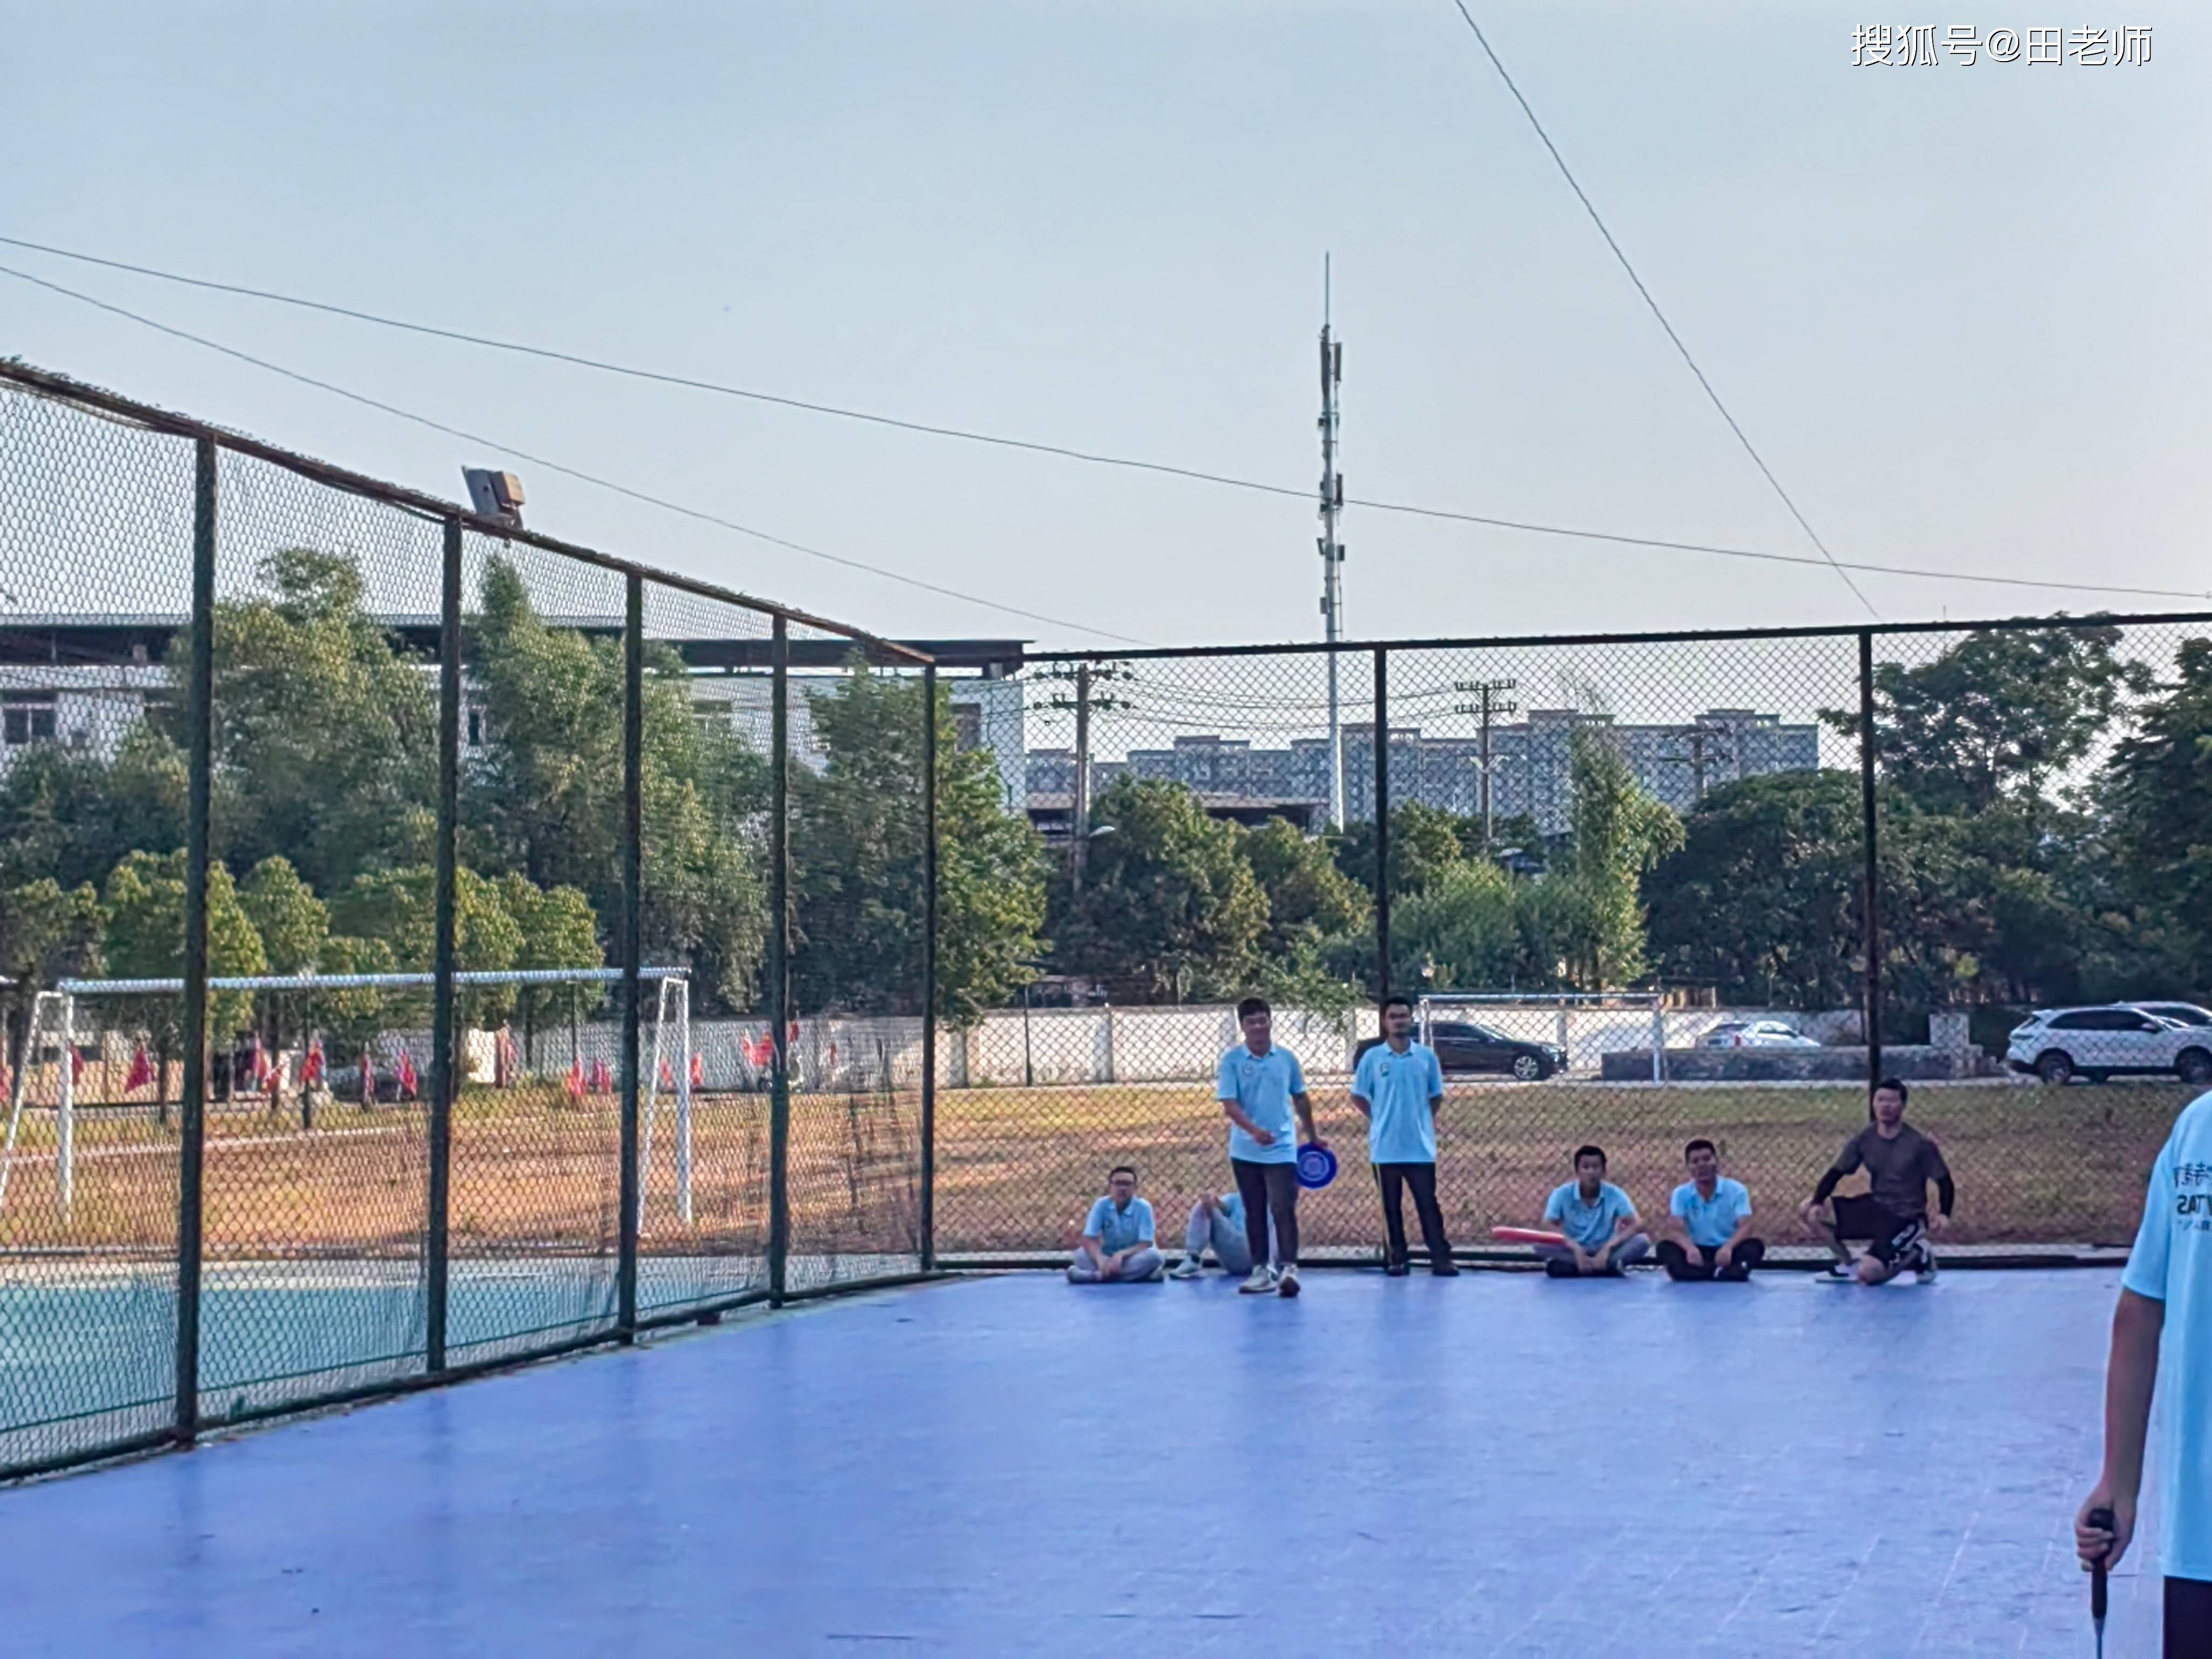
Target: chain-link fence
[(426, 943), (1640, 891)]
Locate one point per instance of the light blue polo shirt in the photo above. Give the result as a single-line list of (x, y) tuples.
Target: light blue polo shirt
[(1119, 1230), (2172, 1262), (1589, 1225), (1708, 1221), (1262, 1085), (1398, 1088)]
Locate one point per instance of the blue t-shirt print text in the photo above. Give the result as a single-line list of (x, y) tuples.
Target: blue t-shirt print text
[(1261, 1085), (2172, 1264)]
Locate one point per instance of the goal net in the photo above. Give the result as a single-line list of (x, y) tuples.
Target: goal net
[(296, 1048)]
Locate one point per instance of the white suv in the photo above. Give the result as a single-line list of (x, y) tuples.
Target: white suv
[(2059, 1044)]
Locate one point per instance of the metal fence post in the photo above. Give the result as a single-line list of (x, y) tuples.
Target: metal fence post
[(1870, 919), (199, 720), (779, 965), (1381, 821), (929, 970), (443, 1087), (632, 942)]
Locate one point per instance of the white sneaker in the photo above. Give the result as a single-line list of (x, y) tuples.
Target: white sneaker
[(1841, 1271), (1287, 1282), (1259, 1283), (1924, 1272), (1189, 1267)]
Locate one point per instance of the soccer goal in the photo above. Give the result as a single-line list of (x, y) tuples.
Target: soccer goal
[(301, 1038), (1584, 1024)]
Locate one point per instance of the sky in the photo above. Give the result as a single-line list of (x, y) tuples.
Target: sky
[(1959, 310)]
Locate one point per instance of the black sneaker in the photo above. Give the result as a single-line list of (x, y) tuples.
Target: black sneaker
[(1396, 1269), (1445, 1268), (1561, 1270)]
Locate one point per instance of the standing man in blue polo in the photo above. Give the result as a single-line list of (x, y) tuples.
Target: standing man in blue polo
[(2162, 1346), (1398, 1087), (1258, 1085)]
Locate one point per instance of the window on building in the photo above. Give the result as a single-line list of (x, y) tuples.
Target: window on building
[(28, 717), (476, 728)]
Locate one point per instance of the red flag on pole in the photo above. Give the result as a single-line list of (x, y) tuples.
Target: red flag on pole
[(311, 1068), (602, 1078), (142, 1070), (408, 1080), (368, 1079), (667, 1076), (574, 1081), (76, 1063), (260, 1064), (698, 1070)]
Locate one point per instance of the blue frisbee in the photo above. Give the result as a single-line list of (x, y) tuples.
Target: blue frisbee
[(1316, 1166)]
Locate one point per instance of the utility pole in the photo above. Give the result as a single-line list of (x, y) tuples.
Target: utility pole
[(1332, 551), (1708, 746), (1081, 705), (1492, 705)]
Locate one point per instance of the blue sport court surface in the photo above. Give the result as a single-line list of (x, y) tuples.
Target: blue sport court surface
[(1499, 1464)]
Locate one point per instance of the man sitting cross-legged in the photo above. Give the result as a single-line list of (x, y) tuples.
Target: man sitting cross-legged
[(1117, 1237), (1713, 1215), (1598, 1220)]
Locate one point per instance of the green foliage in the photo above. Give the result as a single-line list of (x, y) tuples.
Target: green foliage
[(857, 841), (145, 906), (557, 929), (545, 799), (1620, 833), (1425, 843), (1170, 909), (2158, 792), (293, 924), (1310, 898), (396, 907), (1997, 715), (68, 814), (325, 736)]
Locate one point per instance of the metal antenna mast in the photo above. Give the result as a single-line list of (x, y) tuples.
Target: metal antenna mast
[(1332, 551)]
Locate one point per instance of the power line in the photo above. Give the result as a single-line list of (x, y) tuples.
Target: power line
[(1590, 208), (555, 466), (999, 440)]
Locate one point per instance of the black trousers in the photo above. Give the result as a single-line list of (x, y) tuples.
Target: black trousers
[(1269, 1190), (2188, 1619), (1394, 1179), (1679, 1265)]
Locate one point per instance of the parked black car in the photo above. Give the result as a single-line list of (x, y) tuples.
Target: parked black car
[(1461, 1046)]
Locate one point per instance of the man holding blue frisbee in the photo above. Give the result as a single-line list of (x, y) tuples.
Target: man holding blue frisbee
[(2162, 1346), (1259, 1085), (1399, 1087)]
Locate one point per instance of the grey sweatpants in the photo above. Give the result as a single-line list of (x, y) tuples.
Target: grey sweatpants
[(1226, 1238), (1147, 1261), (1626, 1253)]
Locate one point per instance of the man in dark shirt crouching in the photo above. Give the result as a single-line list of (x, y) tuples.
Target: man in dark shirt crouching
[(1900, 1162)]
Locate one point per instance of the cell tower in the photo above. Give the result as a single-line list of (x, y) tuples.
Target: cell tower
[(1332, 551)]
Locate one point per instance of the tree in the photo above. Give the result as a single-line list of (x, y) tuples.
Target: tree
[(557, 929), (47, 934), (292, 921), (1998, 716), (1170, 909), (325, 736), (858, 844), (1763, 899), (2157, 791), (66, 813), (1463, 931), (1425, 843), (145, 906), (545, 800), (398, 907), (1310, 898), (1620, 833)]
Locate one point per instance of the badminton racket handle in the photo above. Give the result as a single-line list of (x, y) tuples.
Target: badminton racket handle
[(2103, 1520)]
